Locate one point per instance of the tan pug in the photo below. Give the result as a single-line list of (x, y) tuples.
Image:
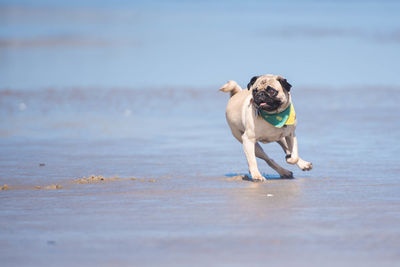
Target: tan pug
[(268, 94)]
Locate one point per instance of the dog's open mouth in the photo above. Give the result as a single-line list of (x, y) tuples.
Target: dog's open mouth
[(265, 101), (270, 105)]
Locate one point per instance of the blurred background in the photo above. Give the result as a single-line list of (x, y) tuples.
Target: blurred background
[(140, 44), (60, 58), (130, 88)]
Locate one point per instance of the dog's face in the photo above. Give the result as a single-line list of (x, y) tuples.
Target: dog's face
[(270, 92)]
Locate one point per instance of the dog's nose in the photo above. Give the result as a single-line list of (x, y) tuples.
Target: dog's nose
[(271, 91)]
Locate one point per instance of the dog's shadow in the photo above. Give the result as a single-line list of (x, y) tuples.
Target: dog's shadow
[(247, 177)]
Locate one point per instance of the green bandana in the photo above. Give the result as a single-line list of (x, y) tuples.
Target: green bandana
[(286, 117)]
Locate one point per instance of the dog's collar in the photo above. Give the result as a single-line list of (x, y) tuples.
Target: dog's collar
[(286, 117)]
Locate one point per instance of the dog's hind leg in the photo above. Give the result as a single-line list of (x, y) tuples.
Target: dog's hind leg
[(261, 154), (284, 146)]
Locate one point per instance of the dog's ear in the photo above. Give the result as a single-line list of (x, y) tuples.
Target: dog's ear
[(252, 81), (284, 83)]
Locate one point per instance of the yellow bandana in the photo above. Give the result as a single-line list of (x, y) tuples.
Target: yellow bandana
[(286, 117)]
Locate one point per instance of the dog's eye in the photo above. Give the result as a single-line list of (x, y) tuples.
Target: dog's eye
[(272, 91), (255, 90)]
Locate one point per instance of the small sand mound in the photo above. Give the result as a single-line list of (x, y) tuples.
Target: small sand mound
[(143, 180), (4, 187), (49, 187), (94, 179)]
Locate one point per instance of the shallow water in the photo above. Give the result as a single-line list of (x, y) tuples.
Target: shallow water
[(345, 211)]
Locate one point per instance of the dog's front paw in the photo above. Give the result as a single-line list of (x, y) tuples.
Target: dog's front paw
[(291, 160), (258, 178), (304, 165)]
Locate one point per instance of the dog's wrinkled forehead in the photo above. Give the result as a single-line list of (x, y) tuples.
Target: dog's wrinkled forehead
[(267, 80), (275, 81)]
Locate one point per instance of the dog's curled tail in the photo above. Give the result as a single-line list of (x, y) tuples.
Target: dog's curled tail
[(231, 87)]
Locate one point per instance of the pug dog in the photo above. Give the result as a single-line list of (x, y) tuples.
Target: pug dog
[(264, 113)]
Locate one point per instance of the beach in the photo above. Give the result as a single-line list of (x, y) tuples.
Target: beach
[(177, 197), (115, 151)]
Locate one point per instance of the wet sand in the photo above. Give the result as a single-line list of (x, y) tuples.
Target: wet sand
[(114, 150), (188, 203)]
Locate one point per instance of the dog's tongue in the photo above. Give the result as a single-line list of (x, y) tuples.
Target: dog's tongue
[(263, 104)]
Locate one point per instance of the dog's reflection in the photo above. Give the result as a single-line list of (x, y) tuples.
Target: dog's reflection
[(263, 199)]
